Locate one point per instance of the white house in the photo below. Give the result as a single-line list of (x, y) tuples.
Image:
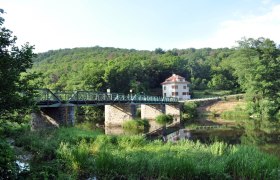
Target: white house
[(176, 86)]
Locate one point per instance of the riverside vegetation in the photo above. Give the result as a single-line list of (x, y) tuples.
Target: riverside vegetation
[(136, 125), (76, 152)]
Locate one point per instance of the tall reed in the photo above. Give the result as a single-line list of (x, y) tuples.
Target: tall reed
[(78, 155)]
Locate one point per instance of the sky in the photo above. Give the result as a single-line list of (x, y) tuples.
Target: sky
[(140, 24)]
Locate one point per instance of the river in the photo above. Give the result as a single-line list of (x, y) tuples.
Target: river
[(264, 134)]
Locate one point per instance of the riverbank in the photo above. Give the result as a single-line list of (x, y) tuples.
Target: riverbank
[(227, 120), (81, 153), (73, 153), (211, 113)]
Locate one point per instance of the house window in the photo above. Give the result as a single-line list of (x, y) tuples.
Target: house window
[(164, 87), (184, 87), (175, 87), (184, 93), (164, 94), (174, 93)]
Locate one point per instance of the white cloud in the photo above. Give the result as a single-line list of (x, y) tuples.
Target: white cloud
[(266, 1), (267, 25)]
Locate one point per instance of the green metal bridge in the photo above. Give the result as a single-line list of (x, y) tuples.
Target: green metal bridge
[(48, 98)]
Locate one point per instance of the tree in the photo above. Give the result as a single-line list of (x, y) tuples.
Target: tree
[(159, 51), (16, 87), (257, 63)]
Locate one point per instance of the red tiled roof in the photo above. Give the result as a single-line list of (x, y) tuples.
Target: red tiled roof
[(174, 78)]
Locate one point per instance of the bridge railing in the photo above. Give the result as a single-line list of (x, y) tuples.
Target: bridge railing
[(64, 95), (143, 98), (46, 97), (91, 96), (117, 97), (88, 97)]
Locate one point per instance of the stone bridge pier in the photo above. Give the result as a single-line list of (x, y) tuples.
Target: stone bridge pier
[(151, 111), (53, 117), (174, 110), (117, 114)]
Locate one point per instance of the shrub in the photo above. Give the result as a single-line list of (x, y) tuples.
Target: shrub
[(190, 111), (136, 125), (164, 119), (206, 92), (268, 108), (8, 168)]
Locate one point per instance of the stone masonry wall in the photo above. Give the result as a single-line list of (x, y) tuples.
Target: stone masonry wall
[(173, 110), (151, 111), (53, 117), (42, 121), (117, 114)]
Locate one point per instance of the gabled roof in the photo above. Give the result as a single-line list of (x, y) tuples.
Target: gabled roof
[(175, 78)]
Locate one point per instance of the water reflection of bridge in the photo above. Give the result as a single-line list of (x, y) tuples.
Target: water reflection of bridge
[(59, 105)]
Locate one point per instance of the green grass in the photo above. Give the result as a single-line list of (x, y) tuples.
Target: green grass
[(10, 128), (8, 168), (136, 125), (239, 112), (44, 146), (209, 93), (195, 126), (72, 153), (87, 125)]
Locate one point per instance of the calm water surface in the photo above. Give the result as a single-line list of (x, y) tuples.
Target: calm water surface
[(264, 134)]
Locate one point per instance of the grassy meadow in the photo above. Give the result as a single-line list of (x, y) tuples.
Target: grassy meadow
[(75, 153)]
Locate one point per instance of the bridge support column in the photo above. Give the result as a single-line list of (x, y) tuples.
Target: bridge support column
[(117, 114), (53, 117), (173, 110), (151, 111)]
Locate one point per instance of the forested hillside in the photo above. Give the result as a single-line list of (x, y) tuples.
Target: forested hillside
[(252, 67), (99, 68)]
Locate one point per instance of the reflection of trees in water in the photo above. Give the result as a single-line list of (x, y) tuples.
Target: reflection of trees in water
[(93, 114), (261, 131)]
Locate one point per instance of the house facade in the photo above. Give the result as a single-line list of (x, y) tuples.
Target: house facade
[(176, 86)]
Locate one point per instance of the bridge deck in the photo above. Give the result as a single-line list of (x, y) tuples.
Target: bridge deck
[(47, 98)]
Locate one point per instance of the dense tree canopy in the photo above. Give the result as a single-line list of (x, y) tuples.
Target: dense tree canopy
[(100, 68), (252, 67), (257, 63), (16, 88)]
